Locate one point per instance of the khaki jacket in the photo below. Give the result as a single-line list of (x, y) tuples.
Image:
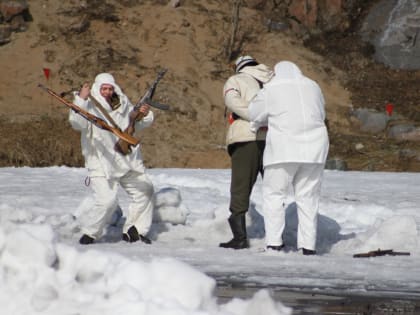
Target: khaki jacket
[(238, 91)]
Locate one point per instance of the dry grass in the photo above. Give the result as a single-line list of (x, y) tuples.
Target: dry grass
[(50, 141), (44, 142)]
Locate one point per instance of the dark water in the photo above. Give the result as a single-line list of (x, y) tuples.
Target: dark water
[(305, 303)]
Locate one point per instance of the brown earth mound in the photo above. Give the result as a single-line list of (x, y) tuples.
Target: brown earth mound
[(76, 40)]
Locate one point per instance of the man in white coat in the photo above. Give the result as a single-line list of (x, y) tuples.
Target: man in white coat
[(293, 108), (109, 169)]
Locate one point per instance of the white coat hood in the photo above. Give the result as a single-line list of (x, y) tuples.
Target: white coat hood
[(292, 106), (286, 70), (105, 78)]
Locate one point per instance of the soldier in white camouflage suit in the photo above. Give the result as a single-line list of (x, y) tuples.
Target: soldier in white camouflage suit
[(109, 169)]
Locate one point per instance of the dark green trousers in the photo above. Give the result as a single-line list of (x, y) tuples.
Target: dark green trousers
[(246, 163)]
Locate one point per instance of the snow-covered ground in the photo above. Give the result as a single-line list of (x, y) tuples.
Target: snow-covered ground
[(43, 269)]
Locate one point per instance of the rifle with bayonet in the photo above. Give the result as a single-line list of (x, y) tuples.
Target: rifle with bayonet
[(124, 147), (381, 252), (98, 122)]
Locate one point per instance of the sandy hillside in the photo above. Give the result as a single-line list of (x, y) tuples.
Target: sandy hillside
[(77, 39)]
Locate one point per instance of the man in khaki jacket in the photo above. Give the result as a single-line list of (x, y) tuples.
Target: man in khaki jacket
[(244, 147)]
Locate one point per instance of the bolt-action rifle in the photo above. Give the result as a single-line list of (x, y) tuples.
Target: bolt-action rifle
[(123, 146), (381, 252), (99, 122)]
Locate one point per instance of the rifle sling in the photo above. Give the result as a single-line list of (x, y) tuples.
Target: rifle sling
[(104, 112)]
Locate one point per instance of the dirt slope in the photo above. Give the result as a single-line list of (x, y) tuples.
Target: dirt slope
[(77, 40)]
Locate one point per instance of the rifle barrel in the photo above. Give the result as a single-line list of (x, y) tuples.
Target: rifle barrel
[(97, 121), (380, 252)]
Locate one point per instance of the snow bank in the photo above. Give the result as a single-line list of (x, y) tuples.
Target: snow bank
[(40, 275)]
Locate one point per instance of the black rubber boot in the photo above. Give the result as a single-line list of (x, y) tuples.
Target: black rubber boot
[(133, 235), (308, 252), (238, 227), (275, 247), (86, 240)]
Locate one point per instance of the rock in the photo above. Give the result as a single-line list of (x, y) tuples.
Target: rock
[(359, 146), (393, 28), (332, 15), (18, 24), (305, 11), (397, 131), (336, 164), (305, 17), (175, 3), (13, 17), (5, 32), (77, 26), (409, 154), (9, 9), (371, 121), (406, 133), (277, 26), (256, 4)]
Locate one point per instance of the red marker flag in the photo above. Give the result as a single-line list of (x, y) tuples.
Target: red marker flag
[(46, 73), (389, 108)]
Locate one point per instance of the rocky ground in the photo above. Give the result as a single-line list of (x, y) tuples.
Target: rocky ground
[(372, 85), (133, 40)]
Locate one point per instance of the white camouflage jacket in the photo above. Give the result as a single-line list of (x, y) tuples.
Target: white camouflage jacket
[(293, 108), (98, 145)]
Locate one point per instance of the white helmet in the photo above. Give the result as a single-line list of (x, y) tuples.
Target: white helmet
[(242, 61)]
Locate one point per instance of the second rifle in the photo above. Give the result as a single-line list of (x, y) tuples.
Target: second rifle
[(123, 146)]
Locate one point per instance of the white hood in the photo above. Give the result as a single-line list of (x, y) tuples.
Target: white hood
[(292, 106), (286, 70), (104, 78)]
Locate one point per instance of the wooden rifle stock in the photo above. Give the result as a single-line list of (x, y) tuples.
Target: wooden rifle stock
[(98, 122), (123, 146)]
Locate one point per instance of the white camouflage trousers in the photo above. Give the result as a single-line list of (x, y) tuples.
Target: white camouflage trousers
[(305, 179), (140, 210)]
